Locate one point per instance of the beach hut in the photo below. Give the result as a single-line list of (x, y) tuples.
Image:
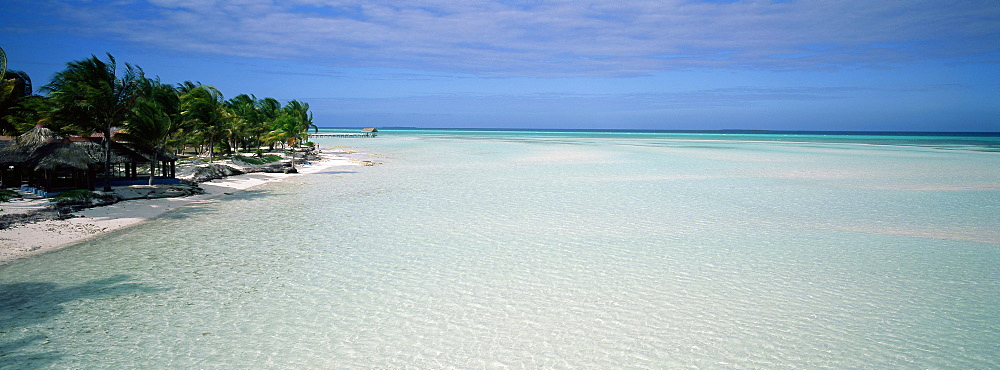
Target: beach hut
[(43, 162), (370, 132), (125, 160), (37, 158)]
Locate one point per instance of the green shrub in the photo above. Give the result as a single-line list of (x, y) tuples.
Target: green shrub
[(249, 160), (78, 194), (264, 159), (6, 194)]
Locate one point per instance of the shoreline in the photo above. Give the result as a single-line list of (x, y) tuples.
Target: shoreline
[(26, 240)]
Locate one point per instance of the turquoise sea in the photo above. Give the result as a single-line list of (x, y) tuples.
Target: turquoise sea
[(543, 249)]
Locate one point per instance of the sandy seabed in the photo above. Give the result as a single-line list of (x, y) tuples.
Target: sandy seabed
[(46, 236)]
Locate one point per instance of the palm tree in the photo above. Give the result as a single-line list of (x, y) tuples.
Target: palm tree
[(15, 89), (233, 129), (201, 109), (284, 130), (186, 87), (90, 94), (292, 126), (154, 118), (303, 119), (268, 109), (246, 121), (26, 113)]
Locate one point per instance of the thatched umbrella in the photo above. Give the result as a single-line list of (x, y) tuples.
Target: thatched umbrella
[(65, 155)]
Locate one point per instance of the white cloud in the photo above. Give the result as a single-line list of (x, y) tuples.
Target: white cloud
[(537, 38)]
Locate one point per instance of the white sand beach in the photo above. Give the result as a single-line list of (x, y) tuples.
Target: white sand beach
[(45, 236)]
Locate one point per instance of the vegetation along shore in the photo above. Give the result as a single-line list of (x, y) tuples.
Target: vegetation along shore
[(108, 136)]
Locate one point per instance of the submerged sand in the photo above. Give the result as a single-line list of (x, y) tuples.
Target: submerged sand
[(45, 236)]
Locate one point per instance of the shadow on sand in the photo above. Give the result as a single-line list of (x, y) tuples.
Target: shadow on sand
[(190, 210), (25, 305)]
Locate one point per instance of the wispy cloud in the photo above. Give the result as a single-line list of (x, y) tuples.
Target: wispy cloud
[(472, 103), (550, 38)]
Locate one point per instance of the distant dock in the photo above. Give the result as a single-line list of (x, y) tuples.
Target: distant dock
[(368, 132), (341, 134)]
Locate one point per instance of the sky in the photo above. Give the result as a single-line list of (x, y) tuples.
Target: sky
[(840, 65)]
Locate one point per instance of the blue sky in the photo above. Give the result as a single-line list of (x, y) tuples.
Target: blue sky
[(908, 65)]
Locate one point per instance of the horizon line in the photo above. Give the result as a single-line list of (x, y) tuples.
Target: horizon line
[(734, 131)]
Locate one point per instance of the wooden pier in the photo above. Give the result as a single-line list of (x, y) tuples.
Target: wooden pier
[(368, 132), (341, 134)]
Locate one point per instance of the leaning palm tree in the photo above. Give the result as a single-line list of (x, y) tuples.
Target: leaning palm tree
[(201, 109), (151, 124), (6, 92), (15, 90), (303, 119), (90, 94), (295, 122), (3, 63), (283, 130), (244, 122), (268, 110)]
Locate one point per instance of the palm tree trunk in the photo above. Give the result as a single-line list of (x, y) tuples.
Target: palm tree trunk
[(234, 146), (152, 168), (107, 160), (211, 148)]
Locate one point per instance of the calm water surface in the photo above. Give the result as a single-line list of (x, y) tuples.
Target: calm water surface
[(472, 250)]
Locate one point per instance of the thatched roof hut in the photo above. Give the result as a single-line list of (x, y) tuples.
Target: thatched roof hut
[(82, 158), (5, 141), (33, 139), (65, 156), (27, 148), (120, 153)]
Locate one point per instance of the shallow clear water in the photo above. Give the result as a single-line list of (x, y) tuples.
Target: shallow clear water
[(527, 250)]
